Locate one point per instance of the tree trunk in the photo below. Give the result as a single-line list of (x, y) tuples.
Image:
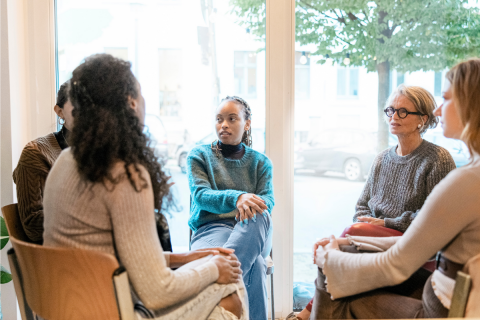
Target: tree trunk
[(383, 70)]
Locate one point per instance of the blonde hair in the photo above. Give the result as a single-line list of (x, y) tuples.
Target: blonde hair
[(465, 84), (423, 101)]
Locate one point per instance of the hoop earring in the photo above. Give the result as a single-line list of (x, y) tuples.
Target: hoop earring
[(215, 148), (60, 123)]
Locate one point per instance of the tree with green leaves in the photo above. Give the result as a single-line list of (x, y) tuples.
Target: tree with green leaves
[(380, 35)]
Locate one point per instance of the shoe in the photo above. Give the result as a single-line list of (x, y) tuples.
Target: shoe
[(291, 316)]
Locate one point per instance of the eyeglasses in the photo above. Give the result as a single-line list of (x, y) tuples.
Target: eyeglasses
[(402, 112)]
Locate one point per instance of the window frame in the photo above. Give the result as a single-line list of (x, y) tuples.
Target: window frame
[(279, 132)]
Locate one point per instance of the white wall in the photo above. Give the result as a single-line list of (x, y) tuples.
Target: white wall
[(27, 95)]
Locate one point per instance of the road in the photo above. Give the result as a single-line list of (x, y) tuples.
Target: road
[(324, 205)]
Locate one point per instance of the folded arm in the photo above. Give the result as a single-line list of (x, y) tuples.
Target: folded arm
[(206, 198), (265, 185)]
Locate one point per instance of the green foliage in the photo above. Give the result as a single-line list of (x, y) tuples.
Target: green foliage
[(410, 34), (3, 233), (5, 276)]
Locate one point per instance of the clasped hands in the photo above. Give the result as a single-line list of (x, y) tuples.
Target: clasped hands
[(323, 245), (374, 221), (248, 205), (226, 261)]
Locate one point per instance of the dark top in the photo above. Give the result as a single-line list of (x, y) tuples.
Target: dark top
[(231, 151), (61, 137)]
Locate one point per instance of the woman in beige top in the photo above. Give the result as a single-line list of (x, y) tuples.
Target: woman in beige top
[(360, 285), (111, 185)]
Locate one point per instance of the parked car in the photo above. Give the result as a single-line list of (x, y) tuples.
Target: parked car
[(155, 129), (340, 150), (258, 139)]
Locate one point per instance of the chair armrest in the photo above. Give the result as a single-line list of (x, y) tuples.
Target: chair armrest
[(25, 310), (123, 295), (460, 295)]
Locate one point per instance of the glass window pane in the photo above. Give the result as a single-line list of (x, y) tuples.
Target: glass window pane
[(400, 78), (345, 130), (341, 81), (239, 57), (437, 87), (252, 81), (239, 81), (353, 88), (185, 67)]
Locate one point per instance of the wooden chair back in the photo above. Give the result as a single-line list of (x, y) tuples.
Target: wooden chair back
[(473, 269), (64, 283), (14, 225)]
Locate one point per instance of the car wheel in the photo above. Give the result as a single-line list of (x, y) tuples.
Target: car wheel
[(352, 170), (182, 162)]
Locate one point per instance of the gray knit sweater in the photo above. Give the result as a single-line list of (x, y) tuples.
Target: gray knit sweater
[(397, 186)]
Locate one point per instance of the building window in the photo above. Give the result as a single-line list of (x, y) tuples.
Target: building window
[(245, 73), (347, 82), (302, 75), (437, 89), (121, 53), (400, 78), (170, 72)]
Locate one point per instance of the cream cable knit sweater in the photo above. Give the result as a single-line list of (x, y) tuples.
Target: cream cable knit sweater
[(105, 218), (449, 221)]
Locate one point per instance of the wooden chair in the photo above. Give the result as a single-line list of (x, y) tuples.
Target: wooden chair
[(460, 295), (15, 229), (466, 293), (65, 283), (14, 225)]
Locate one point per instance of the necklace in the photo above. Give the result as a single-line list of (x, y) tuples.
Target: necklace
[(64, 137)]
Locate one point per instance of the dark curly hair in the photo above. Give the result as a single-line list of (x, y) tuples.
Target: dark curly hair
[(107, 129), (62, 95)]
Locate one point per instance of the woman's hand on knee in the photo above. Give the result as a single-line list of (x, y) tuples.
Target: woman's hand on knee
[(228, 269), (322, 246), (179, 259), (374, 221), (249, 205)]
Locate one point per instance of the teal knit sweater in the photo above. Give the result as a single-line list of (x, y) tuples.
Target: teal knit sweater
[(216, 183)]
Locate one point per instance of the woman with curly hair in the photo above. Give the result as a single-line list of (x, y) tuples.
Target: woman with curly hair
[(112, 184), (35, 163), (232, 192)]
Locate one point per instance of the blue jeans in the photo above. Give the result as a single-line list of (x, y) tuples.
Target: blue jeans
[(252, 243)]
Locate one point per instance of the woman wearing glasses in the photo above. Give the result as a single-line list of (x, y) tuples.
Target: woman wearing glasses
[(401, 177)]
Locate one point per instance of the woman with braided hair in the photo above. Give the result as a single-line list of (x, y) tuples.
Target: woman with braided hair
[(232, 193)]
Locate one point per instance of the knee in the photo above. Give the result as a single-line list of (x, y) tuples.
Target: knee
[(233, 304)]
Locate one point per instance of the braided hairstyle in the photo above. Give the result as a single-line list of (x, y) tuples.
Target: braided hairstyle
[(108, 130), (247, 111)]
